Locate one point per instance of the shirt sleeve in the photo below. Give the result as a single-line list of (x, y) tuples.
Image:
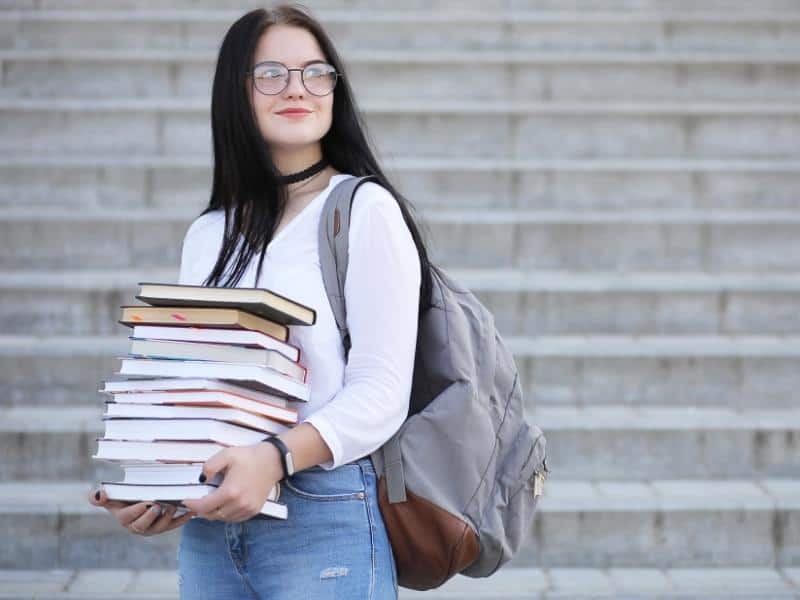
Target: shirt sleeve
[(195, 257), (184, 272), (382, 291)]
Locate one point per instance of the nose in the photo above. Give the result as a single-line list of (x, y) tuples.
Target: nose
[(295, 86)]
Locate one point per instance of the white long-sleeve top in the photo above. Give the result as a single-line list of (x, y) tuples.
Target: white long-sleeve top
[(359, 404)]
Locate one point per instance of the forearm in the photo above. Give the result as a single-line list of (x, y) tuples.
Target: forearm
[(306, 445)]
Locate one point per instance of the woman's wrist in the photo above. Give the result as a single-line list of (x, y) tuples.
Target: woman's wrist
[(271, 458)]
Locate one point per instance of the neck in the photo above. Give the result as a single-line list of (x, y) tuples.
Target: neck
[(292, 161)]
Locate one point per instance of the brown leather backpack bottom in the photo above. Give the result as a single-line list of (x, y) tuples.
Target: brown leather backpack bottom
[(429, 544)]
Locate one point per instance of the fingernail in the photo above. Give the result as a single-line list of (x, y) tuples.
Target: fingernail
[(97, 495), (148, 506), (202, 478), (156, 509)]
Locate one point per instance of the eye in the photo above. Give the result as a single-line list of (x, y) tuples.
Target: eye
[(269, 72), (319, 70)]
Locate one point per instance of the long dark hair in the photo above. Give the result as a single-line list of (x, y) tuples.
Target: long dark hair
[(245, 177)]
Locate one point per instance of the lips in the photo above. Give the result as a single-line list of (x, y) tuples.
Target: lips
[(294, 111)]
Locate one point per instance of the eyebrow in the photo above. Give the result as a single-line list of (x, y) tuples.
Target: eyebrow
[(305, 64)]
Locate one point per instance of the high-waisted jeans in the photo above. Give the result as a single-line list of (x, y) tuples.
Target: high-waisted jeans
[(333, 545)]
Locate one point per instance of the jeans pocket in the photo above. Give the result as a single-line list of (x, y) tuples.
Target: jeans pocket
[(346, 482)]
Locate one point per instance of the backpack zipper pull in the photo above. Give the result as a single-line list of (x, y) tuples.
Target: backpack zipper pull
[(538, 484)]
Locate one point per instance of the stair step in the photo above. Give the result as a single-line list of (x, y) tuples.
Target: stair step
[(411, 106), (588, 74), (387, 29), (57, 442), (765, 136), (469, 130), (80, 182), (417, 56), (732, 523), (333, 15), (737, 371), (642, 240), (506, 584), (688, 7), (523, 302)]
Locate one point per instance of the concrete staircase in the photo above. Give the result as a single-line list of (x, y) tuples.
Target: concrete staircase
[(618, 180)]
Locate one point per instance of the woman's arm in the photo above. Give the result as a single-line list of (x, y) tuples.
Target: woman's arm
[(382, 297)]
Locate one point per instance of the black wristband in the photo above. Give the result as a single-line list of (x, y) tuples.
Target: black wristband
[(286, 457)]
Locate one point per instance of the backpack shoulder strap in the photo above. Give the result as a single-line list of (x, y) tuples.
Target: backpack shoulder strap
[(334, 229)]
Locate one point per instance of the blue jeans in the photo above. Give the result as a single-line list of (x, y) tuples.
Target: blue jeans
[(333, 545)]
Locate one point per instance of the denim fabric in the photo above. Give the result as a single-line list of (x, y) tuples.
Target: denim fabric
[(333, 545)]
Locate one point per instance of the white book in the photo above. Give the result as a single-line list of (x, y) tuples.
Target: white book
[(166, 473), (217, 352), (209, 399), (164, 451), (261, 378), (188, 384), (166, 411), (199, 430), (127, 492), (241, 337)]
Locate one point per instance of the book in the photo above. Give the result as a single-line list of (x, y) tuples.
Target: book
[(181, 384), (203, 399), (180, 316), (214, 335), (217, 352), (199, 430), (208, 369), (260, 378), (166, 473), (233, 416), (174, 494), (160, 450), (258, 301)]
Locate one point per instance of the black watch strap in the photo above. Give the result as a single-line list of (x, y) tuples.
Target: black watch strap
[(286, 457)]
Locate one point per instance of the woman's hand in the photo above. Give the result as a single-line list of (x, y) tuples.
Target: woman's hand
[(142, 518), (250, 473)]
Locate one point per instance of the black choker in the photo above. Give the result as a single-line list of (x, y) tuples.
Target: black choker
[(304, 174)]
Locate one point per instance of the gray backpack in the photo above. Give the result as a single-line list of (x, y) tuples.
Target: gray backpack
[(460, 480)]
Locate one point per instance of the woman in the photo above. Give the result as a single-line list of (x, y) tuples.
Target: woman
[(272, 173)]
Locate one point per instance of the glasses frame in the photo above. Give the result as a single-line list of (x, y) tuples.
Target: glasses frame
[(251, 73)]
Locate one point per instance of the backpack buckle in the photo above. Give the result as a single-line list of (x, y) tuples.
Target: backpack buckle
[(538, 484)]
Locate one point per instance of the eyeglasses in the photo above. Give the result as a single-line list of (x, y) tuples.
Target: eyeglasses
[(272, 77)]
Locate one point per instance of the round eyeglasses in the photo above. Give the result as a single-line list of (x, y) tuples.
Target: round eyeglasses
[(272, 77)]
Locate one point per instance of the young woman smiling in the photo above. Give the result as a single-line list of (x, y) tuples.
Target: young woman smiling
[(286, 130)]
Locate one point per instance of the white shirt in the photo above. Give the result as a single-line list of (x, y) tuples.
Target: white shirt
[(356, 406)]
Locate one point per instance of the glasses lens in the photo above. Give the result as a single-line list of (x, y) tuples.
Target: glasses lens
[(270, 78), (319, 78)]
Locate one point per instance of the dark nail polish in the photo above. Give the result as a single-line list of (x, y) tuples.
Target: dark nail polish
[(202, 478), (148, 506), (97, 495)]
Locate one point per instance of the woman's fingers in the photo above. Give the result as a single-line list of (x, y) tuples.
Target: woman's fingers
[(180, 520), (146, 523), (145, 518), (98, 497), (153, 522), (129, 514), (160, 523)]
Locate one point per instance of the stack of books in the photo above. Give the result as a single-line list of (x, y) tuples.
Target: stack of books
[(209, 368)]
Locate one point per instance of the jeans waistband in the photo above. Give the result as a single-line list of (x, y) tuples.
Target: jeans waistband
[(364, 462)]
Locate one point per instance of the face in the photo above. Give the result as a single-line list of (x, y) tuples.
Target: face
[(294, 47)]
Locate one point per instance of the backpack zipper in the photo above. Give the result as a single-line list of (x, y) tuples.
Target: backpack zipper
[(538, 479)]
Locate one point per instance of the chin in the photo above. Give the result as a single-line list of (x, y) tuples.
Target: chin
[(293, 141)]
